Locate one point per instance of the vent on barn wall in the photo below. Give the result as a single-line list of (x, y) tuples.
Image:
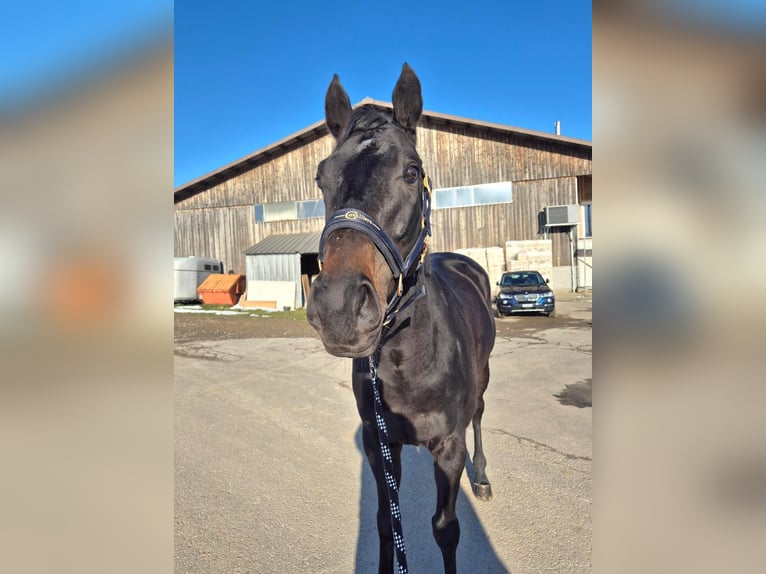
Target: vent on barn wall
[(562, 215)]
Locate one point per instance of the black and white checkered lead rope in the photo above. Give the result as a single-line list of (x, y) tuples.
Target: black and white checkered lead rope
[(388, 471)]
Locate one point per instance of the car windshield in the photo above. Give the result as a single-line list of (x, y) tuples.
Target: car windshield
[(521, 279)]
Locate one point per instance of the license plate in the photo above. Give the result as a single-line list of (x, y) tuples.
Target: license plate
[(527, 305)]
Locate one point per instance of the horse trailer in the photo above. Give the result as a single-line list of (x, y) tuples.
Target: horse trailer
[(189, 273)]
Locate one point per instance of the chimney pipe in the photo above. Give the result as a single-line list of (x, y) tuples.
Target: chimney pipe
[(557, 127)]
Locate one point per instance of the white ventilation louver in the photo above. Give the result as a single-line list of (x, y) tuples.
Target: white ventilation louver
[(562, 215)]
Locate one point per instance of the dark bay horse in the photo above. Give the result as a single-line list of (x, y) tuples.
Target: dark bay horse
[(424, 319)]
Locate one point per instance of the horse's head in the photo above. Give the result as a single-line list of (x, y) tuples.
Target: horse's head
[(373, 187)]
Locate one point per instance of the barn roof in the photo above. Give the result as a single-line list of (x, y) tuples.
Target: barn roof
[(287, 243), (319, 129)]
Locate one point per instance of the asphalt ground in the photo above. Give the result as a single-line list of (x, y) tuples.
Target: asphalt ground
[(270, 476)]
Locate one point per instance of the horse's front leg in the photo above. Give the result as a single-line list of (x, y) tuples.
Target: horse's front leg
[(385, 531), (449, 460)]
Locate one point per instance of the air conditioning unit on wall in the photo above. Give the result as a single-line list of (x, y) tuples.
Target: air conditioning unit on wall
[(562, 215)]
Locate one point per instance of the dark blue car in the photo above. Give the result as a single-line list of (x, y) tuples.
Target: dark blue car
[(525, 292)]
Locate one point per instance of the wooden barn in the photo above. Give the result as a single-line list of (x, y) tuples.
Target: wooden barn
[(492, 184)]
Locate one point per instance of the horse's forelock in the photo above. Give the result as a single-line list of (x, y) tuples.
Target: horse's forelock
[(368, 118)]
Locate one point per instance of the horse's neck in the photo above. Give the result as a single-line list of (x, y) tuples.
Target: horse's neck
[(411, 334)]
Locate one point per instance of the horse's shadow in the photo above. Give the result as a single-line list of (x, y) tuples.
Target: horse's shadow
[(417, 498)]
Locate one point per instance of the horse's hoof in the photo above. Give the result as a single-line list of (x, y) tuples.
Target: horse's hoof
[(482, 491)]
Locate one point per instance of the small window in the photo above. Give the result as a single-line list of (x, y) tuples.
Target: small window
[(208, 267), (489, 193), (281, 211), (289, 210), (311, 208), (585, 189), (469, 195), (588, 219)]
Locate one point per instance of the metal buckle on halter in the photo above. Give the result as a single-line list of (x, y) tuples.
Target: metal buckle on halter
[(424, 251)]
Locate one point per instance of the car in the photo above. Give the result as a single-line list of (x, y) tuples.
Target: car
[(525, 292)]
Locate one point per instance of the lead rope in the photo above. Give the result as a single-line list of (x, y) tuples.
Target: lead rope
[(388, 470)]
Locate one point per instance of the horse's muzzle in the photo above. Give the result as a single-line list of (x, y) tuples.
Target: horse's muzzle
[(347, 314)]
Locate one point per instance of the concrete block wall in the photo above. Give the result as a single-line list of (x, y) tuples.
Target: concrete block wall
[(534, 254)]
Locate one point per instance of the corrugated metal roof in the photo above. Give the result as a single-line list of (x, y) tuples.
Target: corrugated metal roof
[(287, 243)]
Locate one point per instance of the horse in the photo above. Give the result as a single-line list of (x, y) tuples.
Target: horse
[(418, 324)]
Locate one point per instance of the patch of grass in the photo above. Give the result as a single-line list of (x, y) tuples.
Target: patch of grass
[(216, 307), (294, 315)]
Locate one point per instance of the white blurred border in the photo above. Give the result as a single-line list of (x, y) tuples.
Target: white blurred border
[(680, 139), (86, 396)]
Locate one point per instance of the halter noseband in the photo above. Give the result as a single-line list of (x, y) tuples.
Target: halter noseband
[(400, 267)]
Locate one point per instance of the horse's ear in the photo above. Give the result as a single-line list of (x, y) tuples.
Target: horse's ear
[(337, 108), (407, 99)]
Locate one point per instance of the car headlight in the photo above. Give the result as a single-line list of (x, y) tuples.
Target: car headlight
[(504, 296), (547, 294)]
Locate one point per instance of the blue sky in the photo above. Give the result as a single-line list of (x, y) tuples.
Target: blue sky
[(250, 73)]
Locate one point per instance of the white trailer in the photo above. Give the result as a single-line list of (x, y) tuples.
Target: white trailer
[(189, 273)]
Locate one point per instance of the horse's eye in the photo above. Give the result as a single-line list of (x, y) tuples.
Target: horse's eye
[(411, 174)]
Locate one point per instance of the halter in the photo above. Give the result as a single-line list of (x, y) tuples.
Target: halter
[(400, 267)]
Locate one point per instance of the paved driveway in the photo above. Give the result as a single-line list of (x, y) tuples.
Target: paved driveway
[(270, 475)]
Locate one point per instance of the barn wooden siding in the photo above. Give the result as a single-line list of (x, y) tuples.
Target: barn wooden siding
[(455, 155), (493, 225), (220, 221), (543, 173), (228, 232)]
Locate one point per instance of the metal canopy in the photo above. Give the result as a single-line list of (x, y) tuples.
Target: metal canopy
[(287, 243)]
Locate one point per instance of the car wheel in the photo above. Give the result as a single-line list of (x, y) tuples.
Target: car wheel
[(551, 314)]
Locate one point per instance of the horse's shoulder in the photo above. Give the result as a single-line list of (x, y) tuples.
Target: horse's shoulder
[(455, 265), (459, 276), (465, 293)]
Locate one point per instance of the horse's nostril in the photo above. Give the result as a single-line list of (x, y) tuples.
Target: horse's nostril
[(363, 293), (315, 306), (318, 283), (367, 310)]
